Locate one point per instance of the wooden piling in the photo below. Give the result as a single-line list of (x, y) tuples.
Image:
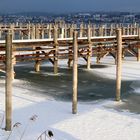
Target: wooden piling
[(138, 33), (89, 48), (111, 30), (8, 84), (29, 31), (119, 64), (0, 31), (37, 33), (56, 51), (42, 32), (81, 30), (37, 65), (75, 72), (70, 57), (71, 31), (33, 34), (62, 32)]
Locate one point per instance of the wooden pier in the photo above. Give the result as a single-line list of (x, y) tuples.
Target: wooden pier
[(53, 42)]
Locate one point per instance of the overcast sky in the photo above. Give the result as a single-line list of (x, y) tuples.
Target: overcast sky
[(63, 6)]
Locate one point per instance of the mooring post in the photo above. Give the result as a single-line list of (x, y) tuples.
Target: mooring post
[(119, 64), (75, 72), (8, 83), (89, 48), (56, 51)]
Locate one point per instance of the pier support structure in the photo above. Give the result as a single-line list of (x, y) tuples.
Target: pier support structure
[(89, 49), (75, 72), (119, 65), (138, 53), (56, 51), (8, 85), (37, 65)]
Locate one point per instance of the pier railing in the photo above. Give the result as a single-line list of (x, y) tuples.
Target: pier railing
[(41, 31)]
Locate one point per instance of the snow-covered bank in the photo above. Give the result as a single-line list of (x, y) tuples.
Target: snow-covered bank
[(94, 121)]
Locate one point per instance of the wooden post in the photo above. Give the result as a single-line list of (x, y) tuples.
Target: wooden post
[(89, 48), (62, 32), (94, 30), (70, 57), (138, 55), (0, 31), (37, 33), (37, 65), (65, 31), (12, 30), (131, 29), (29, 30), (101, 31), (105, 30), (56, 51), (139, 33), (42, 32), (75, 72), (119, 64), (33, 32), (135, 29), (49, 31), (111, 30), (123, 30), (71, 31), (8, 85), (81, 30), (128, 29)]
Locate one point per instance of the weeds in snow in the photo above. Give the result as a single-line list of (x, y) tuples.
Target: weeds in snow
[(31, 119), (16, 125)]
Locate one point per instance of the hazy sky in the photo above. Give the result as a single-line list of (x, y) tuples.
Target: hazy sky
[(62, 6)]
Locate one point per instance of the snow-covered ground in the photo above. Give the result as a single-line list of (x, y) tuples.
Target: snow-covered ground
[(94, 121)]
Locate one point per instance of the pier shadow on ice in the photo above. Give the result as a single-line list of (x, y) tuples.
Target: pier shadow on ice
[(91, 86)]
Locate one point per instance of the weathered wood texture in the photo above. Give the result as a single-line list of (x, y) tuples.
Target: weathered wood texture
[(119, 65), (75, 72), (8, 85)]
